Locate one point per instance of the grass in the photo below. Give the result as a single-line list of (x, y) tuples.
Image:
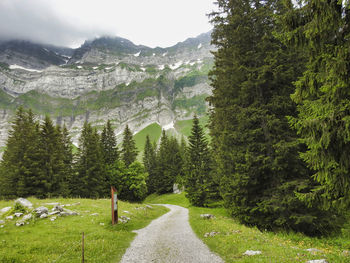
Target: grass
[(234, 239), (185, 126), (60, 240), (153, 130)]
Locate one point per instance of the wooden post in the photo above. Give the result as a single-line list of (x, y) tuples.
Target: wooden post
[(114, 205), (82, 249)]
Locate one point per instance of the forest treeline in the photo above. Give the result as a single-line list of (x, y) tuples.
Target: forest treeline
[(279, 127), (39, 161)]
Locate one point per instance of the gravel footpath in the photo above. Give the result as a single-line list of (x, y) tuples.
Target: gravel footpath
[(169, 239)]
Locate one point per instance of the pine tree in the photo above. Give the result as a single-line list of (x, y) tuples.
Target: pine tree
[(256, 153), (88, 180), (150, 164), (109, 144), (51, 158), (129, 150), (169, 164), (198, 166), (20, 165), (67, 149), (321, 29)]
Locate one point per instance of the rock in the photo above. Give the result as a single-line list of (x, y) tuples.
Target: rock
[(94, 214), (76, 203), (53, 218), (211, 234), (27, 217), (43, 215), (207, 216), (41, 210), (58, 208), (177, 190), (67, 212), (1, 226), (18, 214), (2, 222), (346, 253), (124, 219), (9, 217), (5, 210), (252, 253), (149, 207), (317, 261), (127, 212), (54, 213), (102, 224), (24, 202), (20, 223)]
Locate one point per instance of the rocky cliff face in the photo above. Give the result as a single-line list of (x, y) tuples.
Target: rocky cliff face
[(108, 78)]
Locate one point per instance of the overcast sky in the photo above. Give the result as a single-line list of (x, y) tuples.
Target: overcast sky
[(69, 22)]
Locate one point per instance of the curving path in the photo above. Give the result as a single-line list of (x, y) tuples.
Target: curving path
[(169, 239)]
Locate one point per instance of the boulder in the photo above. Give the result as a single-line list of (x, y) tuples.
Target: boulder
[(252, 253), (207, 216), (54, 213), (94, 214), (24, 202), (317, 261), (20, 223), (27, 217), (9, 218), (18, 214), (124, 219), (67, 212), (5, 210), (43, 215), (41, 210), (313, 251), (211, 234), (53, 218), (58, 208)]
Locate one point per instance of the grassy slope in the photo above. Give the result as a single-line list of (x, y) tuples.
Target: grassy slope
[(234, 239), (154, 131), (184, 127), (46, 241)]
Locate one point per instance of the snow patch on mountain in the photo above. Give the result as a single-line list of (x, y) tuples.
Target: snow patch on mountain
[(23, 68)]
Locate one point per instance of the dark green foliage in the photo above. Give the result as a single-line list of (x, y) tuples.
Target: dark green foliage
[(131, 182), (20, 164), (51, 155), (256, 153), (198, 167), (67, 174), (129, 150), (89, 178), (150, 164), (169, 164), (321, 29), (109, 144)]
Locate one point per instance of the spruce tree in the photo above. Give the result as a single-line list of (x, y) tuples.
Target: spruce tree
[(129, 150), (322, 29), (51, 158), (198, 166), (150, 164), (256, 153), (20, 165), (67, 173), (109, 144), (88, 180), (169, 164)]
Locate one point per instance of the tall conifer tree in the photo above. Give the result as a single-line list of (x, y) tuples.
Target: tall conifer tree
[(198, 166), (322, 30), (256, 151), (150, 164), (129, 150)]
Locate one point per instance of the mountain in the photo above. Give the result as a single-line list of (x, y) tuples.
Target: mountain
[(106, 78)]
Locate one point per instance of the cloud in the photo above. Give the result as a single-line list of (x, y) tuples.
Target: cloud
[(70, 22), (38, 21)]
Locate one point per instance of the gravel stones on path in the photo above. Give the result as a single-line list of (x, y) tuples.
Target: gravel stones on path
[(169, 239)]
